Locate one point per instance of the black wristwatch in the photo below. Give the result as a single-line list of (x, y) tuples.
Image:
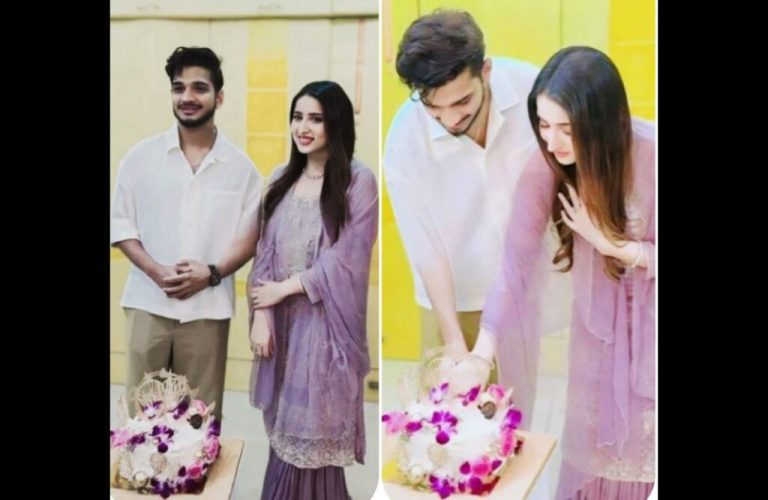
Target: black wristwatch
[(215, 278)]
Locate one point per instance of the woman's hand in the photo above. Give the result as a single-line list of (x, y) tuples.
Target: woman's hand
[(268, 293), (576, 216), (261, 335)]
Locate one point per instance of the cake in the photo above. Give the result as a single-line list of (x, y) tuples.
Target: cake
[(171, 443), (455, 437)]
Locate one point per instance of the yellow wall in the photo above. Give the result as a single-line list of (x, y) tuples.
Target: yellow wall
[(531, 30), (265, 62), (632, 46)]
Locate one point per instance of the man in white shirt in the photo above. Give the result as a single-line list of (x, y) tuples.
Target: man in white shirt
[(184, 213), (452, 158)]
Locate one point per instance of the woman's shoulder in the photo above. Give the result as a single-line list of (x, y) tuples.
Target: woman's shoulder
[(361, 173)]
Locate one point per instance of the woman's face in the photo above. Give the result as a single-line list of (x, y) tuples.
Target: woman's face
[(555, 129), (308, 126)]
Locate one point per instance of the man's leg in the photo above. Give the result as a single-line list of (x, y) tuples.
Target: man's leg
[(149, 346), (200, 354)]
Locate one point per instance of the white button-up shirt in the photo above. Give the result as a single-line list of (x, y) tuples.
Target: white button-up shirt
[(177, 214), (452, 197)]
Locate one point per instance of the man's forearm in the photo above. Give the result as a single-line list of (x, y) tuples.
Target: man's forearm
[(134, 250), (240, 252), (438, 282)]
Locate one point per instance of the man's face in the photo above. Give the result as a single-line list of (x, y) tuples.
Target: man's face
[(457, 104), (194, 97)]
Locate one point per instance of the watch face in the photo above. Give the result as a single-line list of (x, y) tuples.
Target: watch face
[(215, 276)]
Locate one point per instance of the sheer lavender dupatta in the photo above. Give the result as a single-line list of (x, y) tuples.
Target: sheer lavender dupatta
[(529, 296), (322, 402), (609, 427)]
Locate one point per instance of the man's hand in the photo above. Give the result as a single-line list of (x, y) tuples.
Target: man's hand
[(191, 277)]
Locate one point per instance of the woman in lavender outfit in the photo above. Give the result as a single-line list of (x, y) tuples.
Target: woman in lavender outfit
[(595, 180), (308, 297)]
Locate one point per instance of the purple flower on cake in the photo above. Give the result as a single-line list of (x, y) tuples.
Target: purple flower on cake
[(496, 391), (181, 409), (214, 429), (478, 487), (162, 447), (470, 396), (413, 426), (137, 439), (153, 410), (162, 429), (442, 486), (512, 418), (436, 394), (211, 448), (195, 471), (192, 485), (395, 421), (163, 489), (444, 418), (442, 437), (119, 437), (398, 421), (475, 485), (482, 466), (508, 441), (462, 486), (446, 423)]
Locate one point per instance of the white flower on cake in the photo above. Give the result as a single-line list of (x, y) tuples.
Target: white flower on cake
[(171, 443)]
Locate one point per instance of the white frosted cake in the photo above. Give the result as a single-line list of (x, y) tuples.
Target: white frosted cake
[(170, 444), (455, 442)]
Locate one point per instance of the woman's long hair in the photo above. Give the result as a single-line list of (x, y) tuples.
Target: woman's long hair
[(587, 85), (338, 120)]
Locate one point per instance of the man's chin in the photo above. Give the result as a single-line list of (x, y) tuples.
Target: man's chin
[(458, 132)]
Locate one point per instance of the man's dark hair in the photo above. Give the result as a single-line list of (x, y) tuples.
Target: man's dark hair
[(204, 57), (437, 47)]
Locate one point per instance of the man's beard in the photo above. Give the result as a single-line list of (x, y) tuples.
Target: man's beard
[(194, 122), (472, 121)]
